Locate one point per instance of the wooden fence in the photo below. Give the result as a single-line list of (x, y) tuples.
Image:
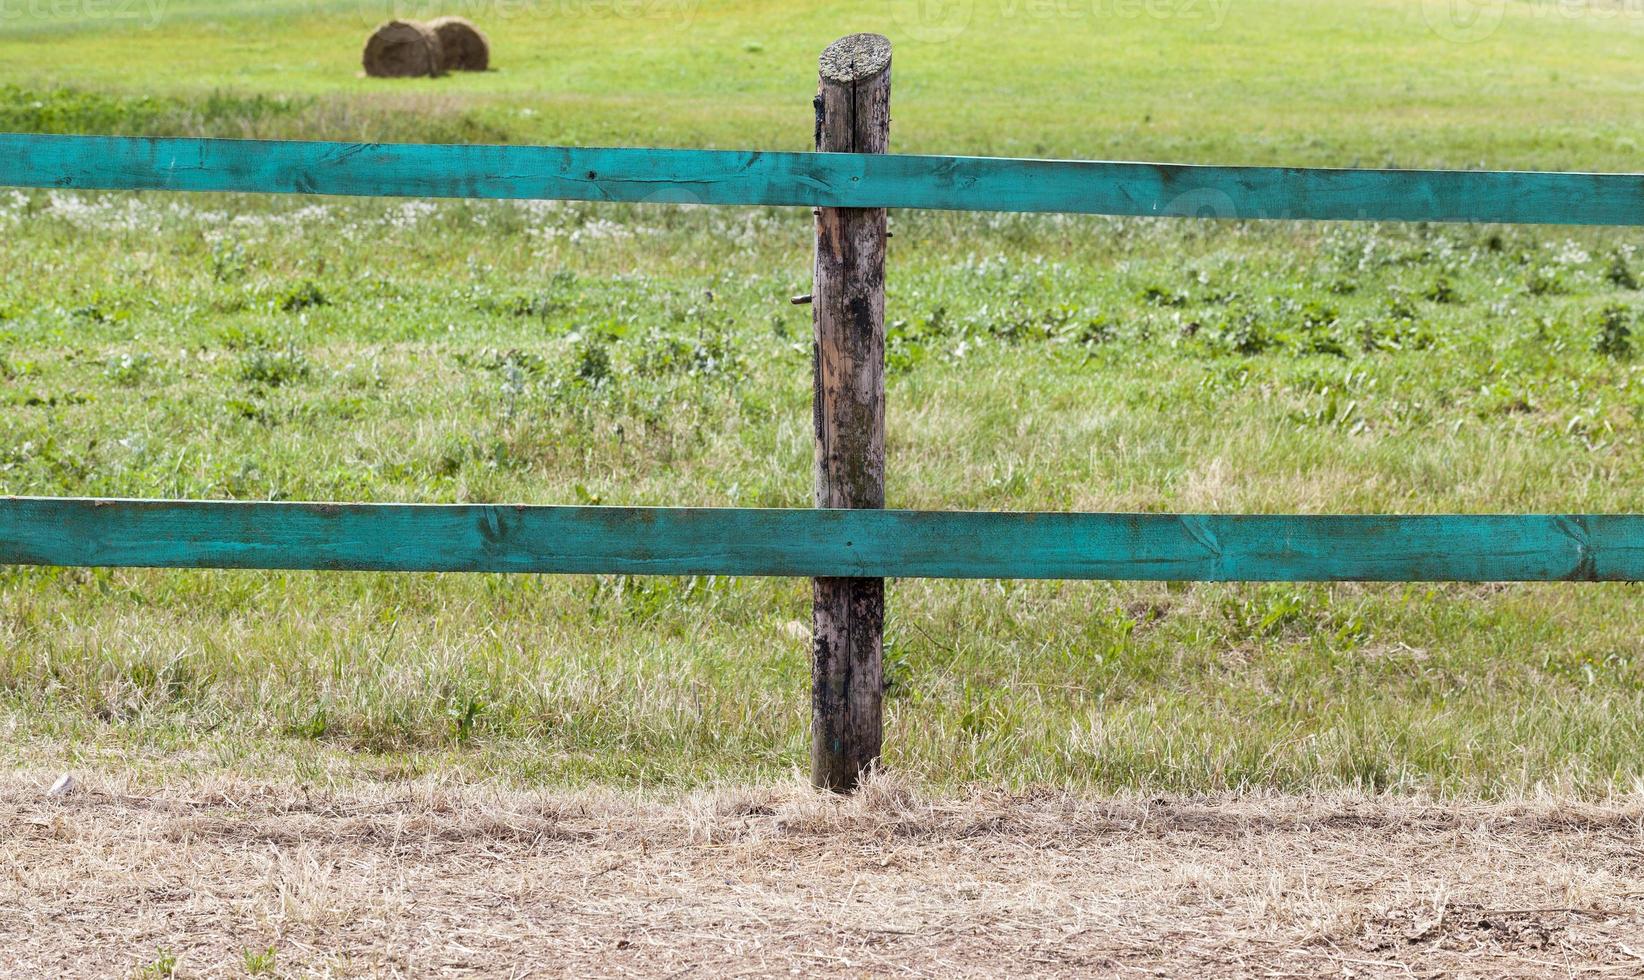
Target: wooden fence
[(848, 544)]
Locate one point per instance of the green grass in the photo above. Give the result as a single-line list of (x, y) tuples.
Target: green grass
[(1554, 85), (244, 347)]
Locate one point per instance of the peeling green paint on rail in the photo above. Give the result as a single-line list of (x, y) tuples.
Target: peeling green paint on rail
[(818, 179), (811, 543)]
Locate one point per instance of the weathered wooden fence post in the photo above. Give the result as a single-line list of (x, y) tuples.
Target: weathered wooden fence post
[(847, 674)]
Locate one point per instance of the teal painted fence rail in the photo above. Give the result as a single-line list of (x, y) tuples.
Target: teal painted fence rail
[(811, 543), (818, 179)]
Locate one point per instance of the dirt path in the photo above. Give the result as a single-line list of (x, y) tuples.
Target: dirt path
[(430, 881)]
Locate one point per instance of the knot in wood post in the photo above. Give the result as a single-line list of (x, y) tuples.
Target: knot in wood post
[(848, 310)]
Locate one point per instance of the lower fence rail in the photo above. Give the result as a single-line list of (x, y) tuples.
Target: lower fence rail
[(820, 543)]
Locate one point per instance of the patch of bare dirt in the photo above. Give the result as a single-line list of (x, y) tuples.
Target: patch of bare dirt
[(432, 881)]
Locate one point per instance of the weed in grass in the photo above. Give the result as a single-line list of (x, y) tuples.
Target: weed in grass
[(1443, 290), (246, 337), (896, 668), (1160, 296), (1619, 272), (273, 367), (1545, 280), (13, 367), (61, 110), (707, 355), (1097, 329), (302, 296), (228, 261), (100, 310), (592, 362), (464, 713), (1397, 328), (513, 387), (525, 363), (249, 410), (259, 962), (128, 370), (1265, 613), (1614, 332), (68, 110), (315, 724), (1242, 331), (163, 965)]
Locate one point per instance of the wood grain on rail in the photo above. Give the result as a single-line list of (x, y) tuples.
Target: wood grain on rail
[(819, 543), (847, 180)]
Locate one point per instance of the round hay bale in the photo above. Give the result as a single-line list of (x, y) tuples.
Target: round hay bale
[(462, 46), (402, 49)]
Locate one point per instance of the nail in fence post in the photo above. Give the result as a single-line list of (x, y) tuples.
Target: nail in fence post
[(848, 309)]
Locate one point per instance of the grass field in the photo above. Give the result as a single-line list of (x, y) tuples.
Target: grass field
[(1464, 83), (300, 349)]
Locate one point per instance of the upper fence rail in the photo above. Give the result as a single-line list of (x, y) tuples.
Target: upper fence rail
[(830, 543), (818, 179)]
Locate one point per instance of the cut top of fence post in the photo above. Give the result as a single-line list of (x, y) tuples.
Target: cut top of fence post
[(855, 76), (855, 58)]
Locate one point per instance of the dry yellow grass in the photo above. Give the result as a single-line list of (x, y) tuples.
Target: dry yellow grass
[(434, 880)]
